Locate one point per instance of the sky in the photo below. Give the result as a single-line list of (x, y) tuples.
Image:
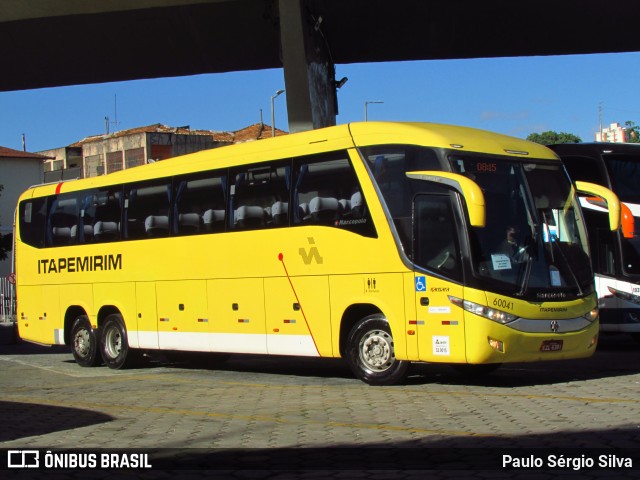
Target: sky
[(513, 96)]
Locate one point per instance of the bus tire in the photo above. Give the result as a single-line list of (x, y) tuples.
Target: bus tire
[(114, 344), (370, 352), (84, 343)]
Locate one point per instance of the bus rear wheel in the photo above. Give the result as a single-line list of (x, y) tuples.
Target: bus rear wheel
[(371, 355), (114, 344), (84, 343)]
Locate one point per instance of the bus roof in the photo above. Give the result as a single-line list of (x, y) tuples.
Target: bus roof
[(315, 141), (447, 136)]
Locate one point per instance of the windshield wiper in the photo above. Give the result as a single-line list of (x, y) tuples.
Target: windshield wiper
[(531, 239), (526, 274), (553, 240)]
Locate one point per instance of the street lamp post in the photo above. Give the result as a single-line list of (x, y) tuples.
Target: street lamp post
[(366, 118), (273, 115)]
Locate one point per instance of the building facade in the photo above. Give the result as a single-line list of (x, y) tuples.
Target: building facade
[(18, 171), (64, 163), (614, 133), (101, 154)]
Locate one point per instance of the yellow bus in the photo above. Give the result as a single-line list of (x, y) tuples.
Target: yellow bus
[(380, 243)]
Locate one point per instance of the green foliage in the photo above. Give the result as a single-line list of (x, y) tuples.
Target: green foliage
[(552, 138), (6, 245), (632, 132)]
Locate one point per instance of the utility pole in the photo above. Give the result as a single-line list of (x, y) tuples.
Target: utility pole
[(366, 116), (600, 115), (273, 115)]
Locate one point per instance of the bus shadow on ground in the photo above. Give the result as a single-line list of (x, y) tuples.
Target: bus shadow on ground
[(26, 348), (22, 420), (615, 358)]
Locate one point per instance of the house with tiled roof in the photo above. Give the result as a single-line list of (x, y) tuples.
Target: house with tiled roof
[(257, 131), (129, 148), (18, 171), (110, 152)]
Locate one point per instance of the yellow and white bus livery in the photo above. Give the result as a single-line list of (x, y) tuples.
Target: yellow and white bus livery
[(381, 243)]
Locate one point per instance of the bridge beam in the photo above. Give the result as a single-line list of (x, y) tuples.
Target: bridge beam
[(309, 72)]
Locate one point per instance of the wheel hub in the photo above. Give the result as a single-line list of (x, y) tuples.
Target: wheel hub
[(113, 343), (377, 350), (81, 343)]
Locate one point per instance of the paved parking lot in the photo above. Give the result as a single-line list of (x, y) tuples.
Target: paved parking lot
[(307, 418)]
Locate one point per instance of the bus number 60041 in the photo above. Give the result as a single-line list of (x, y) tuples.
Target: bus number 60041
[(502, 303)]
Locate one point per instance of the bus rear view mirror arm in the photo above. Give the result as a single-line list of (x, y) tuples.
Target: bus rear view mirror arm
[(613, 203), (470, 191)]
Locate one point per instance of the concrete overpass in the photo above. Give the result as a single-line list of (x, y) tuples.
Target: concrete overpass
[(46, 43)]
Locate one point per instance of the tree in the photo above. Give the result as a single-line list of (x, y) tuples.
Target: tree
[(552, 138), (632, 132)]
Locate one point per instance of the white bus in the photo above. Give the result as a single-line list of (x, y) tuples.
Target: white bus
[(615, 254)]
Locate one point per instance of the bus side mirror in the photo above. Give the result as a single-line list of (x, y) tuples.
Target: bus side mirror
[(470, 191), (611, 199), (628, 223)]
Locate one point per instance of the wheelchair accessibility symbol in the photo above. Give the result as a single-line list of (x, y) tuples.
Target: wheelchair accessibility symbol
[(421, 284)]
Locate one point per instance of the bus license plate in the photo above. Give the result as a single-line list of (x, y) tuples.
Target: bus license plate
[(551, 346)]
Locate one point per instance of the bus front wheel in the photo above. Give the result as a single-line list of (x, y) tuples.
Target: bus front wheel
[(371, 355), (114, 344), (84, 343)]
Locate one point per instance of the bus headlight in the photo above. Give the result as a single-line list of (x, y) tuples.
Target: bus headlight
[(491, 313), (592, 315)]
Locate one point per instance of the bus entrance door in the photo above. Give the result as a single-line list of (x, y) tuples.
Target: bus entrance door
[(439, 324)]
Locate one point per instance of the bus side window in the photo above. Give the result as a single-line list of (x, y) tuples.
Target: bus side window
[(389, 165), (326, 192), (33, 214), (147, 210), (102, 215), (260, 196), (62, 221), (200, 204)]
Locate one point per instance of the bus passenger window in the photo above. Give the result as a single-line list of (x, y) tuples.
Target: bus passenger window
[(200, 204), (147, 210), (33, 214), (260, 196), (327, 192), (62, 221), (100, 215)]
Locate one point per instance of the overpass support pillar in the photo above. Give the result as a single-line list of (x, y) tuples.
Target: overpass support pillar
[(309, 73)]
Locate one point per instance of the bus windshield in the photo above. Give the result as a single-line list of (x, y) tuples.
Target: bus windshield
[(534, 242)]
